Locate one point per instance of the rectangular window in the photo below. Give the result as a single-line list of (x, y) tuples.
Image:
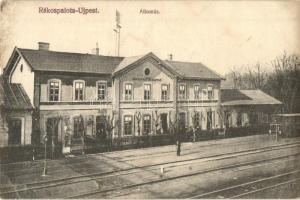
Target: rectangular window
[(128, 91), (147, 92), (79, 87), (182, 92), (146, 124), (196, 92), (54, 91), (101, 91), (128, 125), (210, 92), (164, 92), (78, 127)]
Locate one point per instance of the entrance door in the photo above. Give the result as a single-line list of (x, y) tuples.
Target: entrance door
[(209, 120), (14, 131), (52, 135), (182, 120), (164, 122), (100, 127)]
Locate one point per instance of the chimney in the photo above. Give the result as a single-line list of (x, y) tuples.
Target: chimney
[(170, 57), (44, 46), (97, 49)]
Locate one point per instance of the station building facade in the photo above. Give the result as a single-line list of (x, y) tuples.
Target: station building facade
[(74, 94)]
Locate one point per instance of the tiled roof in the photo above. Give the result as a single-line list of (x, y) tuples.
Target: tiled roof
[(126, 62), (232, 97), (70, 62), (194, 70), (13, 96), (76, 62)]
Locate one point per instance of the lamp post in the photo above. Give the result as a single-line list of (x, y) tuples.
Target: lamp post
[(45, 160)]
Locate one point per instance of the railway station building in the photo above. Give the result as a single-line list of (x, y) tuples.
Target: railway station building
[(71, 96)]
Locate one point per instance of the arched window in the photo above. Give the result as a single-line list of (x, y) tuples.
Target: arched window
[(54, 89), (182, 91), (79, 90), (146, 124), (128, 125)]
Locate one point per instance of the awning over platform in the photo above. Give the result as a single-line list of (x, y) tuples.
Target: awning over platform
[(235, 97)]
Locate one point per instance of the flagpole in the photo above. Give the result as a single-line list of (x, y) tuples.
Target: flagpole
[(118, 32), (119, 27)]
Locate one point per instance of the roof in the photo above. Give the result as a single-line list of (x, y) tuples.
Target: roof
[(45, 60), (194, 70), (13, 96), (232, 97), (70, 62), (127, 61)]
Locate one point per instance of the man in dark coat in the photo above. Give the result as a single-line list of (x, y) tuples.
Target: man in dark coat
[(179, 139), (178, 143)]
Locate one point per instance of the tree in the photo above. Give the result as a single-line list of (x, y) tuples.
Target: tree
[(195, 122), (51, 125), (110, 126), (254, 78), (173, 124), (156, 121), (283, 83), (138, 117)]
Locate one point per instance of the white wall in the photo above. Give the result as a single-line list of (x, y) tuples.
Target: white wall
[(25, 78)]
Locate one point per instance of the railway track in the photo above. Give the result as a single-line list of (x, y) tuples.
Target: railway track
[(252, 187), (218, 156), (163, 179), (149, 168)]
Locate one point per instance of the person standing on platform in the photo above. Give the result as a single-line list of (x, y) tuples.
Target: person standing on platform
[(178, 143), (179, 139)]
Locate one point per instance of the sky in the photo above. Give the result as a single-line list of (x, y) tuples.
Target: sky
[(219, 34)]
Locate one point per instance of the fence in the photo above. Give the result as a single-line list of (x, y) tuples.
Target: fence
[(94, 145)]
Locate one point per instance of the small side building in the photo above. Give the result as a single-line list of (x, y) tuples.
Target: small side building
[(248, 108), (15, 115)]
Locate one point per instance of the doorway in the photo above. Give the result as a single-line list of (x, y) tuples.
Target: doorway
[(101, 127), (182, 120), (14, 131), (209, 120), (164, 122), (52, 136)]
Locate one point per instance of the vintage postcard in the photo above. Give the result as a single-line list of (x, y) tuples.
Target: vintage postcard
[(149, 99)]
